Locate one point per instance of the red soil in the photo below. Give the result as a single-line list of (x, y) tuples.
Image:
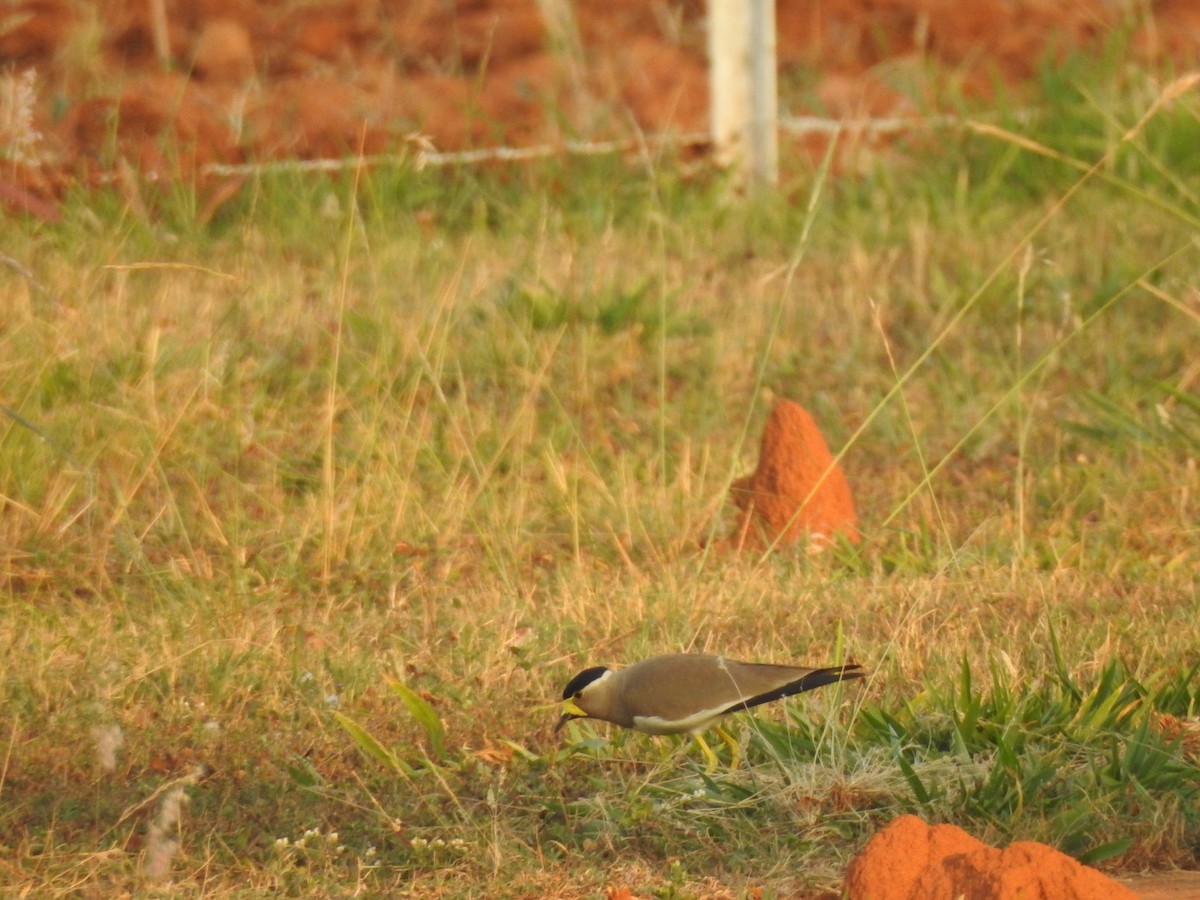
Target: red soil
[(250, 81), (909, 860), (797, 490)]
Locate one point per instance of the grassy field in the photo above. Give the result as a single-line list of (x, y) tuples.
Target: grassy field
[(308, 513)]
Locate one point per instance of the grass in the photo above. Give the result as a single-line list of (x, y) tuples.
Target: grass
[(308, 513)]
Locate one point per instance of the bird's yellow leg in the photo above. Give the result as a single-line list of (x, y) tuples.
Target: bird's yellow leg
[(735, 749), (713, 762)]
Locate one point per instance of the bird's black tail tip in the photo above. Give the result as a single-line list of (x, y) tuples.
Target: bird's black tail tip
[(832, 674)]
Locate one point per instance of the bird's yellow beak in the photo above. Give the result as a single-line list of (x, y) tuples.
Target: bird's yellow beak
[(570, 711)]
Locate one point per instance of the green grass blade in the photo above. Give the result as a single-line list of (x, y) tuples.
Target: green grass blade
[(372, 747), (425, 715), (1105, 851)]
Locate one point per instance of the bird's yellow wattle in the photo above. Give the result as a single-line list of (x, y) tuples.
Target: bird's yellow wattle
[(570, 709)]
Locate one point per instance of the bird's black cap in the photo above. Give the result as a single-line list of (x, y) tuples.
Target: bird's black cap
[(582, 680)]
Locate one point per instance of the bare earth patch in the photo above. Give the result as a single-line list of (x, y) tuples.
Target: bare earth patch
[(244, 81)]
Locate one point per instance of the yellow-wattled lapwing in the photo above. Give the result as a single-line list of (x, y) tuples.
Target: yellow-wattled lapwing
[(687, 692)]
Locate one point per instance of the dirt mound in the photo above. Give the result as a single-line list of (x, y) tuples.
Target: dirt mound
[(909, 860), (797, 489)]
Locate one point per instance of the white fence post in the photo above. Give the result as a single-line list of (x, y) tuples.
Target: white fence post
[(741, 77)]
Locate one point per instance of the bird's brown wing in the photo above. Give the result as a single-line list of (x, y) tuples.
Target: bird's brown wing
[(811, 678), (665, 687)]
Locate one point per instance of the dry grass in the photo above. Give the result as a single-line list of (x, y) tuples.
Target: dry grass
[(241, 491)]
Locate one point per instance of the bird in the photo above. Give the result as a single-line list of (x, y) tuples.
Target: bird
[(687, 692)]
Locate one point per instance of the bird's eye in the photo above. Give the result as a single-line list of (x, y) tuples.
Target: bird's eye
[(578, 694)]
